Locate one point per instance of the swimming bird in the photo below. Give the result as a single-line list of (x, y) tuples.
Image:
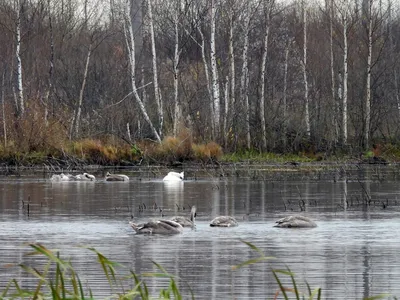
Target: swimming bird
[(295, 221), (224, 221), (157, 227), (85, 176), (116, 177), (174, 176), (55, 177), (185, 221)]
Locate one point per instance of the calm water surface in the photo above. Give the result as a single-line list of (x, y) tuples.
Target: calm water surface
[(352, 254)]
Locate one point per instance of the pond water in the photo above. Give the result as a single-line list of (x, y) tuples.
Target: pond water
[(352, 254)]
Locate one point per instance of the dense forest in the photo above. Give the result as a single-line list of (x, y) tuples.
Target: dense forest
[(269, 75)]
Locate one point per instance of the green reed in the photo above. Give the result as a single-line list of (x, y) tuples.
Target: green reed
[(58, 280)]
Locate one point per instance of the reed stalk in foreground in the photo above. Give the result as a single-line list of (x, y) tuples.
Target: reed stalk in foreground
[(58, 280), (294, 288)]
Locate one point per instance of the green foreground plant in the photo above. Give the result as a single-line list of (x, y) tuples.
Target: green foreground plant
[(58, 280)]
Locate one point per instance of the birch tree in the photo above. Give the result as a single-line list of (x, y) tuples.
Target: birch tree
[(130, 43), (214, 73), (368, 84), (343, 7), (230, 88), (77, 117), (393, 57), (207, 75), (3, 107), (330, 7), (177, 53), (157, 92), (267, 12), (20, 90), (304, 65), (285, 75), (51, 67), (345, 74), (244, 81)]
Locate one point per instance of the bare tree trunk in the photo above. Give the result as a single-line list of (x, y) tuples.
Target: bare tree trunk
[(287, 48), (345, 76), (214, 73), (244, 79), (368, 86), (81, 92), (207, 74), (232, 71), (306, 100), (20, 91), (130, 42), (3, 108), (225, 129), (157, 92), (262, 78), (51, 69), (177, 110), (393, 58), (330, 6)]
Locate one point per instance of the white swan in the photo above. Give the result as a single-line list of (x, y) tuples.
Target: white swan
[(85, 177), (174, 176), (61, 177), (185, 221), (295, 221), (55, 177), (157, 227), (116, 177), (224, 221)]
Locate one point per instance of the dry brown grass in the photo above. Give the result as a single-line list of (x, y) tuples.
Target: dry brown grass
[(179, 149), (97, 151), (209, 151)]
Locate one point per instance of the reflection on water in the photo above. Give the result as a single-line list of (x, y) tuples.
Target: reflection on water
[(353, 253)]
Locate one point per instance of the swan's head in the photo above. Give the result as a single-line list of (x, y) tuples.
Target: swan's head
[(89, 176)]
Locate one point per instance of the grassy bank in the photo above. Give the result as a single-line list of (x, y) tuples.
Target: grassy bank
[(57, 279), (112, 151)]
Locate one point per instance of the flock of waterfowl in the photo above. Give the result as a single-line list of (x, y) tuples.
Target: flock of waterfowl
[(88, 177), (176, 224)]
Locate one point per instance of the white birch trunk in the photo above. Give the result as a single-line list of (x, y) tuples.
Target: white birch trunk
[(244, 79), (306, 100), (177, 110), (345, 76), (157, 92), (207, 75), (3, 108), (285, 75), (232, 66), (130, 42), (81, 92), (51, 69), (214, 73), (20, 90), (225, 126), (368, 85), (262, 80), (229, 113), (335, 110)]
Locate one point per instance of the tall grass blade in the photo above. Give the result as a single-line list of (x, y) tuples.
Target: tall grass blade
[(296, 291), (280, 284), (380, 296)]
